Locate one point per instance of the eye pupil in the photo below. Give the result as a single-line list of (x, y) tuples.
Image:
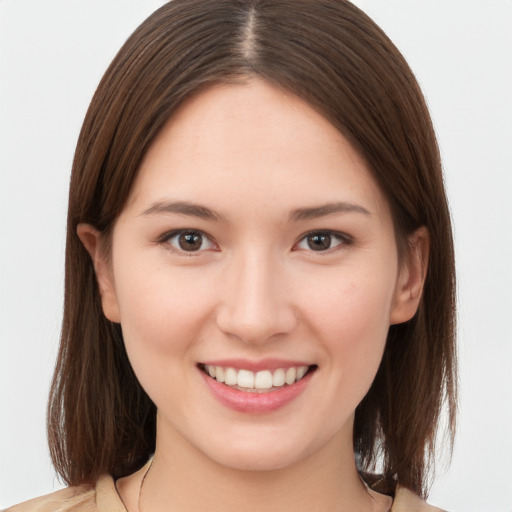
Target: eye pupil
[(190, 241), (319, 242)]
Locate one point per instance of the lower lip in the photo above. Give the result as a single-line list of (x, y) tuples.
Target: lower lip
[(252, 402)]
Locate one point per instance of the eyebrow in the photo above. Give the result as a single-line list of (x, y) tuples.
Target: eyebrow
[(325, 210), (203, 212), (183, 208)]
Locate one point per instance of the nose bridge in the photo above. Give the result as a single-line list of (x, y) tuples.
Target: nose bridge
[(255, 306)]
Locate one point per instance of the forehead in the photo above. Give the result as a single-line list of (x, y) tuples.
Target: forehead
[(256, 142)]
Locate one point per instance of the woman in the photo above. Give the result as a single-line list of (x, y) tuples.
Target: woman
[(259, 305)]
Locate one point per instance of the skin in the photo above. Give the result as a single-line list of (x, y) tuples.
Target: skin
[(255, 289)]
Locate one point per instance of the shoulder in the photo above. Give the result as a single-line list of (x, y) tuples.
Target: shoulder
[(101, 498), (63, 500), (406, 501)]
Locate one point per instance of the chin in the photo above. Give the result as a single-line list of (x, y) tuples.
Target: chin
[(255, 454), (258, 461)]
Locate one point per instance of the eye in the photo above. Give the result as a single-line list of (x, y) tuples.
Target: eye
[(321, 241), (188, 241)]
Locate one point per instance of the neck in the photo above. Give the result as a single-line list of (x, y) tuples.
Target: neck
[(184, 479)]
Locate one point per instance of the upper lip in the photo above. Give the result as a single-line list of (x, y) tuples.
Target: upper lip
[(255, 366)]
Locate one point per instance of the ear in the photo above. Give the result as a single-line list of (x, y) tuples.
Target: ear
[(90, 238), (411, 277)]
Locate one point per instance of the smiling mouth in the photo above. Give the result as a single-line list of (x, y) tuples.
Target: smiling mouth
[(262, 381)]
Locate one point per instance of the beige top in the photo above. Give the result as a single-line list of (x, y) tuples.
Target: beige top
[(104, 498)]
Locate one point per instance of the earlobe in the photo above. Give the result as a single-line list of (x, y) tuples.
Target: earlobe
[(90, 238), (411, 278)]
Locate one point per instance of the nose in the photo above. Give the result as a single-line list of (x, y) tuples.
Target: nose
[(255, 305)]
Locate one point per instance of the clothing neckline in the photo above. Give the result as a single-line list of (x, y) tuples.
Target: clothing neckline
[(106, 488)]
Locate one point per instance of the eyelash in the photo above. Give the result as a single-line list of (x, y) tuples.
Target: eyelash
[(342, 238), (166, 238)]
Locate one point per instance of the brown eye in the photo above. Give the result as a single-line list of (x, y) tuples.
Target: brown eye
[(188, 241), (323, 241), (319, 241)]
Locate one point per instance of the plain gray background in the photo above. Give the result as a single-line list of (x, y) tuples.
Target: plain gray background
[(52, 55)]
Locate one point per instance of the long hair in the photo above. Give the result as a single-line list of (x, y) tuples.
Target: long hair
[(330, 54)]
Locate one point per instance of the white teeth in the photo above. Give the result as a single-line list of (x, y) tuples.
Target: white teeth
[(291, 375), (301, 371), (231, 377), (262, 380), (220, 375), (245, 379), (278, 378)]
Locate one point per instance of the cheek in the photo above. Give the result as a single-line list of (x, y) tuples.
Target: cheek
[(351, 318), (161, 310), (162, 317)]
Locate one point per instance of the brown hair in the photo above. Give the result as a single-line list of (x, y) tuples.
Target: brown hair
[(334, 57)]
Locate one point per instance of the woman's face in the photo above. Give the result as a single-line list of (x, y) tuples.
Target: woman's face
[(255, 246)]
